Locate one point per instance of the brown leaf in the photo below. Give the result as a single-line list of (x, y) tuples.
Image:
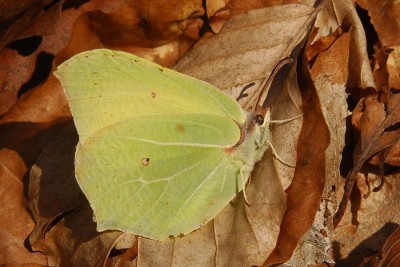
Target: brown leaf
[(64, 229), (364, 245), (24, 131), (15, 17), (325, 42), (389, 255), (149, 30), (333, 58), (240, 65), (393, 68), (30, 54), (389, 10), (393, 155), (373, 139), (11, 79), (393, 107), (380, 68), (218, 13), (331, 16), (370, 124), (242, 6), (305, 191), (16, 222)]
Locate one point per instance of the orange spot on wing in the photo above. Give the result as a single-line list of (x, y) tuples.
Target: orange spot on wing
[(180, 128), (145, 161), (228, 150)]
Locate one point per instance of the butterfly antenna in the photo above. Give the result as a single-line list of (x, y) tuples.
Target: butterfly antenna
[(286, 120), (267, 83)]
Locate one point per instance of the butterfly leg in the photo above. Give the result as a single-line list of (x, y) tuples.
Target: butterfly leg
[(277, 156), (243, 186)]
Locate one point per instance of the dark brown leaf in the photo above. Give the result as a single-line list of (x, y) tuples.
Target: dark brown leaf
[(373, 139), (389, 254), (305, 191)]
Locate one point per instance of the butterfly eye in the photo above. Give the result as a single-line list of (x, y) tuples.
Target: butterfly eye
[(259, 119)]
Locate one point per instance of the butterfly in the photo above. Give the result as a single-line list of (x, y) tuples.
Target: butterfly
[(160, 154)]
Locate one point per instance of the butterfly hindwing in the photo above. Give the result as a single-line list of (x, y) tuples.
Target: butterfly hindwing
[(153, 183)]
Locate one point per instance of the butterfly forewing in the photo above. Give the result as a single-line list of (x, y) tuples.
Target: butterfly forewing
[(105, 87)]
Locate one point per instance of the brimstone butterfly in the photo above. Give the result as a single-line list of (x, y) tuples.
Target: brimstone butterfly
[(160, 154)]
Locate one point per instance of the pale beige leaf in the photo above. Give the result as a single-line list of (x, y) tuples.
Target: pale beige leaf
[(332, 16), (248, 48)]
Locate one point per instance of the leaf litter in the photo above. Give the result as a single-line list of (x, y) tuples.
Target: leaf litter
[(292, 209)]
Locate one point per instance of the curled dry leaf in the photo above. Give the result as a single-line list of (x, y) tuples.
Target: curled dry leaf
[(158, 31), (24, 131), (331, 16), (376, 217), (15, 16), (30, 50), (389, 10), (218, 12), (305, 191), (64, 231), (389, 254), (241, 73), (376, 118), (380, 68), (393, 68)]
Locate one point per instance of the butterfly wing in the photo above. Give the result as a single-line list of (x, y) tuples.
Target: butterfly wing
[(154, 154)]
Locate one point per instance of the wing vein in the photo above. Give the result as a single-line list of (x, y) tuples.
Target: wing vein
[(211, 174)]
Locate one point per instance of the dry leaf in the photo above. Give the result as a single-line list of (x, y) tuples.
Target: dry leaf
[(242, 6), (16, 16), (28, 58), (393, 68), (373, 122), (158, 31), (376, 216), (380, 70), (389, 254), (254, 56), (305, 191), (25, 130), (218, 12), (331, 16), (390, 10), (162, 31), (65, 230)]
